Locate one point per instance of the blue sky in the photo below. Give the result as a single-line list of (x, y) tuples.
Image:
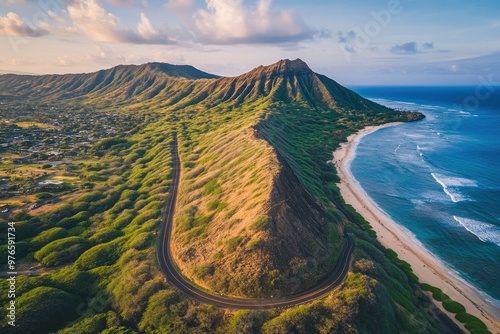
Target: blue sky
[(365, 42)]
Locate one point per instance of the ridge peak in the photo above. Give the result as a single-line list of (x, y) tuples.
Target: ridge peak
[(283, 67)]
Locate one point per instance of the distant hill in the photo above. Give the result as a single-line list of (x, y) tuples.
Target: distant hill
[(118, 83)]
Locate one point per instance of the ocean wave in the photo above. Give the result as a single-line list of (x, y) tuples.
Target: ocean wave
[(452, 181), (392, 102), (407, 103), (415, 135), (434, 197), (449, 183), (484, 231), (419, 150), (409, 160), (397, 148), (431, 107)]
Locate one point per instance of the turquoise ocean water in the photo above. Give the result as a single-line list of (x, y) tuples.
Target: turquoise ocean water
[(440, 177)]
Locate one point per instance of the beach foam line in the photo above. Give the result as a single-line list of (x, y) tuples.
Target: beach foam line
[(428, 106), (455, 198), (484, 231), (448, 182)]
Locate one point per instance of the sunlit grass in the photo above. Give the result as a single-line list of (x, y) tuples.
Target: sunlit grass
[(34, 124)]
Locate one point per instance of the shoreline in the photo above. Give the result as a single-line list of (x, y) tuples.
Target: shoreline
[(425, 265)]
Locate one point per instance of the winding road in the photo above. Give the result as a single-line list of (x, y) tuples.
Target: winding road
[(173, 275)]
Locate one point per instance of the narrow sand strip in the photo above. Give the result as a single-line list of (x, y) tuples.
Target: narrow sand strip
[(425, 265)]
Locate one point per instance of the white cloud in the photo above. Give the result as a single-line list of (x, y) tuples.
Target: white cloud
[(59, 30), (129, 3), (13, 25), (92, 19), (146, 29), (56, 17), (100, 26), (180, 4), (230, 21), (13, 2), (65, 61)]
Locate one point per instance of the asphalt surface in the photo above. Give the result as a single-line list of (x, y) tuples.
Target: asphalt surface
[(173, 275)]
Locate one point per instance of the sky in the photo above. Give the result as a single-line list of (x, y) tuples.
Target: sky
[(355, 42)]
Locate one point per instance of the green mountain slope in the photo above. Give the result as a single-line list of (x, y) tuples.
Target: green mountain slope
[(120, 83), (258, 210)]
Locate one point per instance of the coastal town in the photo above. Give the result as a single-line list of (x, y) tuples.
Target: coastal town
[(44, 150)]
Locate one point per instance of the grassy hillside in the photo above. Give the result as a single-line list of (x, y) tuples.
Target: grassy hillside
[(258, 212)]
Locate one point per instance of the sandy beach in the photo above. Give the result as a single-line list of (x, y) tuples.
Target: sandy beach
[(425, 265)]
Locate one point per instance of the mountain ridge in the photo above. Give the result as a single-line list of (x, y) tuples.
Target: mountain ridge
[(285, 81)]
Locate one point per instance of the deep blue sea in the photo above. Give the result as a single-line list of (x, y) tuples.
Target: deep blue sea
[(440, 177)]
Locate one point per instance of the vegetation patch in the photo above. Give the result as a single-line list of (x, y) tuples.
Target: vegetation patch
[(203, 270), (233, 243), (470, 322)]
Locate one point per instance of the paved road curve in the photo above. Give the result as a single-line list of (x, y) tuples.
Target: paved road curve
[(330, 282)]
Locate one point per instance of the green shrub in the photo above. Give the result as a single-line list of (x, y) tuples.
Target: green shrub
[(105, 144), (100, 255), (44, 310), (142, 241), (246, 321), (211, 188), (105, 234), (43, 195), (49, 235), (261, 224), (62, 251), (123, 219), (72, 221), (144, 216), (254, 244), (72, 280), (453, 306), (203, 270), (122, 205), (233, 243), (89, 325), (472, 323), (437, 294), (161, 311), (295, 320), (216, 205), (119, 330), (218, 255)]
